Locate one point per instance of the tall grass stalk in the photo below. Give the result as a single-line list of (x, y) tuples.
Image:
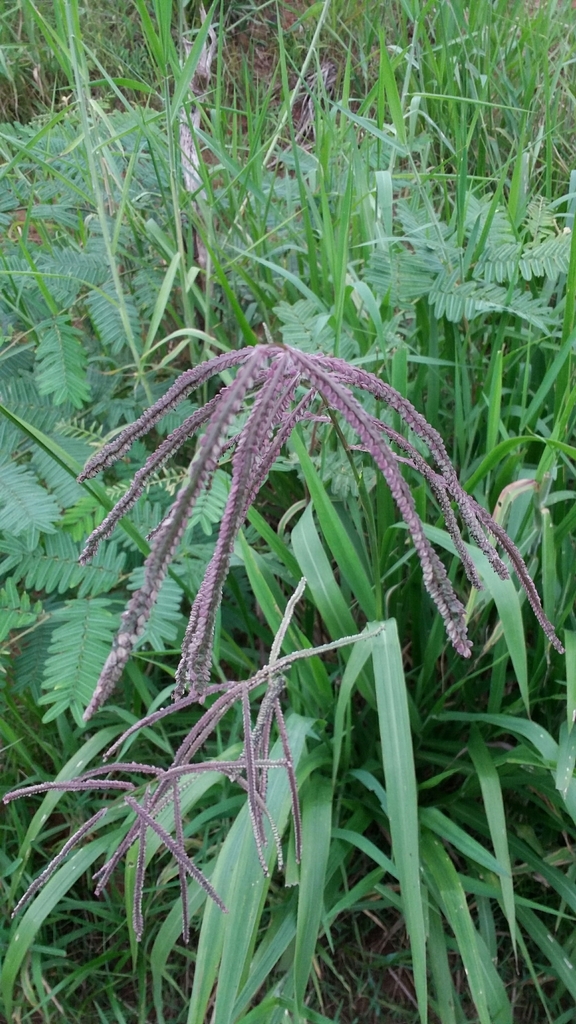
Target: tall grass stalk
[(415, 230)]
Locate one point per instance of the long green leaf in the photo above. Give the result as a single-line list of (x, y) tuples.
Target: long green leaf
[(445, 878), (226, 940), (274, 542), (337, 539), (494, 456), (314, 565), (77, 764), (274, 944), (161, 302), (272, 601), (436, 821), (182, 83), (507, 601), (561, 964), (167, 938), (536, 734), (316, 826), (27, 929), (494, 807), (359, 656), (566, 759), (368, 847), (191, 791), (440, 968), (392, 95), (399, 770), (570, 644)]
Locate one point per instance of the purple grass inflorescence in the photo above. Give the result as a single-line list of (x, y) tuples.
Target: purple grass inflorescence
[(277, 387)]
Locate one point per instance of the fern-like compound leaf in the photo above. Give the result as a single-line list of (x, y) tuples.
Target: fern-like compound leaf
[(78, 649), (25, 507), (401, 276), (70, 263), (30, 659), (53, 567), (165, 618), (21, 393), (305, 327), (104, 312), (456, 299), (55, 478), (16, 610), (549, 259), (211, 503), (545, 259), (61, 363)]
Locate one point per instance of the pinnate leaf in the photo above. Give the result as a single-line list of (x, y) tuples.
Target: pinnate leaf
[(25, 507), (79, 647), (61, 362), (54, 567), (16, 610)]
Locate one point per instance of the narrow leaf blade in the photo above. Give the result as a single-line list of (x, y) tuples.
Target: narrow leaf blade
[(398, 758)]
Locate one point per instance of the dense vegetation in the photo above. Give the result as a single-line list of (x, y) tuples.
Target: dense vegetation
[(419, 227)]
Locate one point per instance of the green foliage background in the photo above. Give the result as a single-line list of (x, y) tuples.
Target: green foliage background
[(427, 236)]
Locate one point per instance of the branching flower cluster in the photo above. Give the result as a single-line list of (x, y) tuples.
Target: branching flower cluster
[(163, 788), (285, 383), (275, 387)]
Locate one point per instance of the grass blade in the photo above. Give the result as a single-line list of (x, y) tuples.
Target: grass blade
[(167, 938), (507, 601), (28, 927), (161, 301), (562, 965), (337, 539), (440, 967), (494, 807), (436, 821), (536, 734), (399, 770), (316, 827), (358, 657), (570, 645), (74, 767), (566, 759), (445, 879), (314, 565), (392, 95), (272, 947), (226, 941)]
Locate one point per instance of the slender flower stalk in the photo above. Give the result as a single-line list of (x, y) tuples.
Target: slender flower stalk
[(163, 788), (167, 538), (182, 387), (194, 669)]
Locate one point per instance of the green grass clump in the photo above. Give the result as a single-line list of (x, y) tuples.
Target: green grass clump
[(422, 232)]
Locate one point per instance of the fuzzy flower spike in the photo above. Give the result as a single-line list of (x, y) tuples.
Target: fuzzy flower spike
[(277, 387), (269, 382), (162, 788)]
